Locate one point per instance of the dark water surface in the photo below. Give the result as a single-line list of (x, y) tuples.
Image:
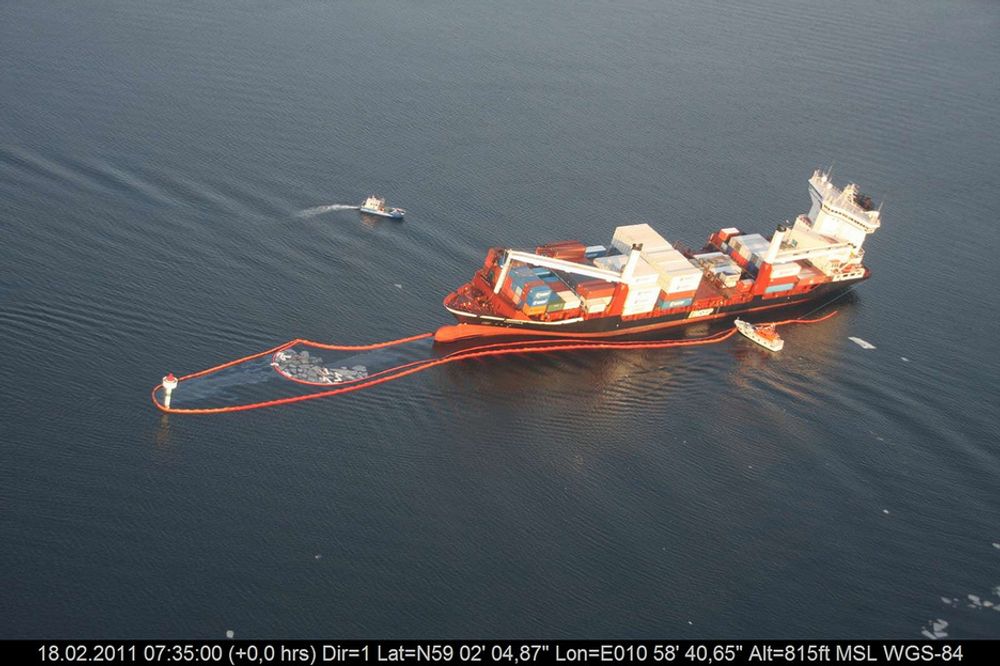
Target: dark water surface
[(155, 158)]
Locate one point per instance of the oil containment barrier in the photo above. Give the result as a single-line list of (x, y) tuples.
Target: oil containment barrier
[(301, 370)]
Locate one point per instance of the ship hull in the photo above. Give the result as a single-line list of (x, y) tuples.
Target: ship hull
[(478, 326), (393, 215)]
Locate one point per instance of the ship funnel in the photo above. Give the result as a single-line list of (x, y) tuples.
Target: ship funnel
[(633, 260), (775, 246)]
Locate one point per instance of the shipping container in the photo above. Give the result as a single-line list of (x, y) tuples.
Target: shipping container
[(567, 250), (681, 280), (639, 234), (678, 303), (537, 294), (727, 233), (775, 288), (728, 280), (595, 289), (673, 296), (644, 274), (785, 270), (614, 264), (708, 257), (568, 297)]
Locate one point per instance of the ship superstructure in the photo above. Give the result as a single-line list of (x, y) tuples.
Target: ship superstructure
[(642, 282)]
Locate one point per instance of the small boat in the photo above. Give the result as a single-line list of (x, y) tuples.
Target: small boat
[(763, 334), (374, 205)]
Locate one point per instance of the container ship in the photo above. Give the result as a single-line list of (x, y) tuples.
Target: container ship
[(642, 282)]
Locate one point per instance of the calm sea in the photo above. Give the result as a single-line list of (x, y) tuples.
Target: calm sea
[(155, 162)]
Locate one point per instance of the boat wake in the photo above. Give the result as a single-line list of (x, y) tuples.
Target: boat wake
[(319, 210)]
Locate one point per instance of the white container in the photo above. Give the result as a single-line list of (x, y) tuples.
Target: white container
[(569, 298), (644, 274), (753, 243), (785, 270), (627, 236), (614, 264), (680, 281), (641, 295), (728, 280), (662, 256)]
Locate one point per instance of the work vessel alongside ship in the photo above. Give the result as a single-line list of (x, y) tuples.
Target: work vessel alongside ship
[(766, 335), (375, 205), (643, 283)]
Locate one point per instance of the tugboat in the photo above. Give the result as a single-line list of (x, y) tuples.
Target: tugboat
[(374, 205), (763, 334)]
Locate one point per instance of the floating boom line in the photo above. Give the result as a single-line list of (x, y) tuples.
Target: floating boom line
[(412, 367)]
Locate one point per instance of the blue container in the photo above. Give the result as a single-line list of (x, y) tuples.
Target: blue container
[(775, 288), (679, 303), (541, 272), (538, 295)]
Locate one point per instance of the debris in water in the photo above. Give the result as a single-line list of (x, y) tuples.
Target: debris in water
[(885, 511), (230, 633), (903, 358), (976, 601), (996, 545), (308, 368), (397, 286), (864, 344)]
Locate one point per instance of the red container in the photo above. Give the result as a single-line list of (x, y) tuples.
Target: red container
[(595, 289), (740, 261), (676, 295), (568, 250)]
